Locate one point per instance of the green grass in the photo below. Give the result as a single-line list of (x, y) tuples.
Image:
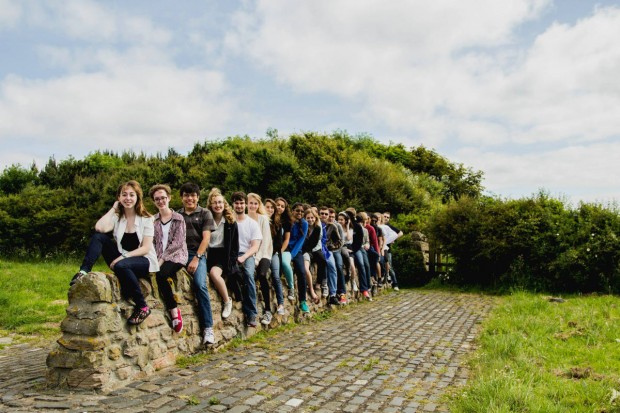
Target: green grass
[(539, 356), (33, 296), (370, 364)]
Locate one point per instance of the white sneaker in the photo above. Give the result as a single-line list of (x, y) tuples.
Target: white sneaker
[(208, 337), (396, 289), (227, 308), (291, 294), (266, 318), (324, 290), (281, 310)]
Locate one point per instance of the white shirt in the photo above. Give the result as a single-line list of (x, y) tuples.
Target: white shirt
[(217, 235), (248, 232), (144, 228), (389, 235), (165, 230), (265, 250)]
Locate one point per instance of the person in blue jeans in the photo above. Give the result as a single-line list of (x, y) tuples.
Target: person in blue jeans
[(359, 254), (330, 234), (299, 230), (390, 267), (337, 247), (250, 237), (199, 224), (277, 236)]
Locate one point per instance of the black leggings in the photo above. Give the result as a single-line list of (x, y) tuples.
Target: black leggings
[(167, 270), (321, 266), (263, 267)]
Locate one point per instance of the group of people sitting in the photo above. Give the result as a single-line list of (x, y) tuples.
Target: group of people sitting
[(252, 237)]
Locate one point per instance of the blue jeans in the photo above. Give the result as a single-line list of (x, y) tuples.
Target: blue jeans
[(300, 269), (364, 277), (99, 245), (275, 276), (340, 287), (248, 304), (263, 268), (287, 269), (332, 274), (366, 266), (205, 317), (373, 259), (388, 254)]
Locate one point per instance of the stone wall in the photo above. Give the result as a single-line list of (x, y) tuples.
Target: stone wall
[(100, 350), (420, 241)]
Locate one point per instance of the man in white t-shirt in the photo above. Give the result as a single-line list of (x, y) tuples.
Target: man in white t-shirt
[(393, 236), (250, 238)]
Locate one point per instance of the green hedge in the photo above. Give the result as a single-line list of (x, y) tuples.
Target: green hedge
[(536, 243)]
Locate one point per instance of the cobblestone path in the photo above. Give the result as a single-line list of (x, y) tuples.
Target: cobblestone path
[(397, 354)]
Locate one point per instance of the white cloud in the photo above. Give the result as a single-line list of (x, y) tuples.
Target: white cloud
[(87, 20), (446, 70), (127, 105), (347, 46), (590, 171), (104, 97), (566, 88), (10, 13)]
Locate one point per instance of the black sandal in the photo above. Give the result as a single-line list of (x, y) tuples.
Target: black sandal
[(76, 278), (139, 315)]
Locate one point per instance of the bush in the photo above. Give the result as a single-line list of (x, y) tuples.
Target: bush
[(408, 262), (537, 243)]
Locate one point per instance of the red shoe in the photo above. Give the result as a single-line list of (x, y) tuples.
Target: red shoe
[(177, 322), (343, 299), (367, 295)]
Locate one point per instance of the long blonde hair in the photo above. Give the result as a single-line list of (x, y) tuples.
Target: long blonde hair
[(227, 213), (261, 208)]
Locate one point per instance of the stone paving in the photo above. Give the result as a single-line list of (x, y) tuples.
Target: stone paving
[(399, 353)]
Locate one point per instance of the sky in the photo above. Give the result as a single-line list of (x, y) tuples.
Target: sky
[(526, 91)]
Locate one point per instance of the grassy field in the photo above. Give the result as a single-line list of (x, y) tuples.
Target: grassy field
[(33, 297), (537, 355)]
